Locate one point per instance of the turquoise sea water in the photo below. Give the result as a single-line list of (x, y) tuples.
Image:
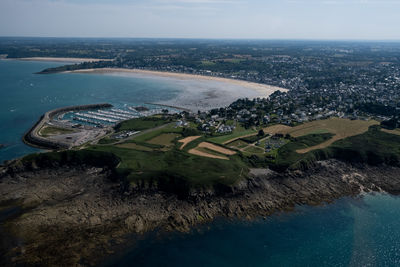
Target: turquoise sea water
[(349, 232), (25, 96)]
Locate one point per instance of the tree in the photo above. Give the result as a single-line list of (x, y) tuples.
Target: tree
[(261, 132)]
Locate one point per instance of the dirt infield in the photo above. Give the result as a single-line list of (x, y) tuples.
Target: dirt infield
[(187, 140)]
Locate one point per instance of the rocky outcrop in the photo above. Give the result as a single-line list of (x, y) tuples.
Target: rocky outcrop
[(71, 214)]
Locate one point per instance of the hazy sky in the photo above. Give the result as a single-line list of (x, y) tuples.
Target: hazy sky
[(262, 19)]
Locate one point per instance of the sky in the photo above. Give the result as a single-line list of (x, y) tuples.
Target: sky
[(236, 19)]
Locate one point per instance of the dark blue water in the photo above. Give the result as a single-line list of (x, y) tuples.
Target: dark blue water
[(25, 96), (349, 232), (361, 232)]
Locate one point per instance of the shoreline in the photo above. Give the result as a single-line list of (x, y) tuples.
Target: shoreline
[(60, 59), (259, 87), (71, 207)]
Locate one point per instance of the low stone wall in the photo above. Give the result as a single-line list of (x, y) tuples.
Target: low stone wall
[(32, 137)]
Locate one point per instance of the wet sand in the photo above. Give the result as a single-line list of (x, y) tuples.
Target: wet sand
[(197, 92)]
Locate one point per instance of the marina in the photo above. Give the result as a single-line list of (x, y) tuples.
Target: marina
[(100, 114), (85, 115)]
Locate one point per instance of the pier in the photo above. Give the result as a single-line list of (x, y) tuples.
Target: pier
[(33, 138)]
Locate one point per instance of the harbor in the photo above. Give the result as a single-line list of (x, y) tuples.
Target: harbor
[(73, 126)]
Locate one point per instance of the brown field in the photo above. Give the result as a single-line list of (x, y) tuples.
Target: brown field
[(134, 146), (217, 148), (341, 128), (206, 149), (395, 131), (164, 139), (187, 140), (279, 128), (196, 151)]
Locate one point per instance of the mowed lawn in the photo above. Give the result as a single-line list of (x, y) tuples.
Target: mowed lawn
[(164, 139), (341, 128)]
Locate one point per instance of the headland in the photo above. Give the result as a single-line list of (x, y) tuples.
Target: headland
[(172, 171)]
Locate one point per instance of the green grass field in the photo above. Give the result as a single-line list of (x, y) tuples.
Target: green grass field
[(154, 157), (51, 130), (287, 155), (238, 132), (152, 134), (254, 150), (164, 139), (238, 144), (107, 140), (140, 124), (135, 146), (147, 166)]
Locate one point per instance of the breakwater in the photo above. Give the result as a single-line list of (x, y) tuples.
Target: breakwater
[(33, 138)]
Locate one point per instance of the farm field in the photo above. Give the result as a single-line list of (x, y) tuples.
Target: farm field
[(395, 131), (237, 133), (204, 152), (187, 140), (164, 139), (141, 124), (209, 150), (341, 128), (237, 144), (134, 146), (254, 149)]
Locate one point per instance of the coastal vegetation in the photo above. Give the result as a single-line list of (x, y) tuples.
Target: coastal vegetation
[(51, 130), (140, 124), (161, 154)]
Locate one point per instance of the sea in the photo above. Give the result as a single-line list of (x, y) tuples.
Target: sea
[(361, 231)]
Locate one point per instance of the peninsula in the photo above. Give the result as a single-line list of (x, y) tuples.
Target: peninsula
[(110, 172), (174, 170)]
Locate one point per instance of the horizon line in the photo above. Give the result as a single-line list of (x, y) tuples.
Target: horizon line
[(208, 38)]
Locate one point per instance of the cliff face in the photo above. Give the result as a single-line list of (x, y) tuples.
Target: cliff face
[(72, 213)]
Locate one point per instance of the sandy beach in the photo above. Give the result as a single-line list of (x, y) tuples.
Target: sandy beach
[(197, 92), (62, 59)]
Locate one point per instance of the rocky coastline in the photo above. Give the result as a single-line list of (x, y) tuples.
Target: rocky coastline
[(68, 215)]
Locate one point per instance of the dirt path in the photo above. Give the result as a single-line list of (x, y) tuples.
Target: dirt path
[(197, 152), (187, 140), (212, 147), (217, 148), (236, 138)]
